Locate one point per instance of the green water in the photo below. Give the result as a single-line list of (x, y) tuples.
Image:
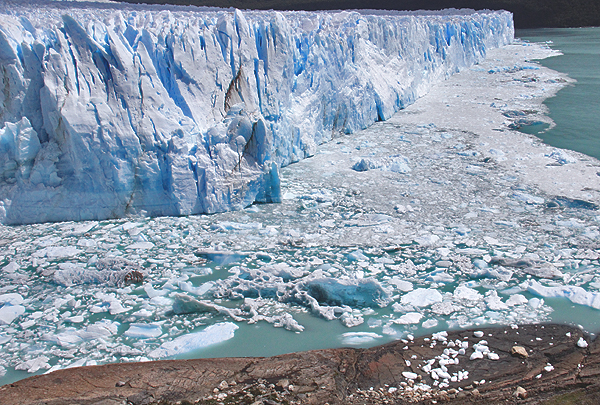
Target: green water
[(576, 108)]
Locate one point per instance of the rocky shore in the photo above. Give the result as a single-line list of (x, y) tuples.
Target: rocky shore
[(550, 364)]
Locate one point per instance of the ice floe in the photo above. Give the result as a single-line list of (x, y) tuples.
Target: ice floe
[(211, 335)]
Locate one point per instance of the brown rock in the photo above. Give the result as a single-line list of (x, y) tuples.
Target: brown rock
[(520, 392), (519, 351), (317, 376)]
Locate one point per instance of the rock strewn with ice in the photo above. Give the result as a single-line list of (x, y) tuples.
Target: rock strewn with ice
[(399, 372), (115, 110)]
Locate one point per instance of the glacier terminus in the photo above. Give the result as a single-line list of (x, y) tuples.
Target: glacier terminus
[(110, 110)]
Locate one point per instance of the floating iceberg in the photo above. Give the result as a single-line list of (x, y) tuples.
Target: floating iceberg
[(575, 294), (143, 331), (213, 334), (111, 110), (358, 292)]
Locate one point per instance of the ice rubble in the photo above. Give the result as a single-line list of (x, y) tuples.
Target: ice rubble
[(108, 110)]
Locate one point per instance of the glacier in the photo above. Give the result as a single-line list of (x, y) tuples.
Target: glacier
[(112, 110), (486, 228)]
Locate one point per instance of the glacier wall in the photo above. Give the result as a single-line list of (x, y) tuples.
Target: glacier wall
[(108, 110)]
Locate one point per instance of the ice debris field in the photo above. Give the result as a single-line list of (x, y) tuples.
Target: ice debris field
[(443, 216)]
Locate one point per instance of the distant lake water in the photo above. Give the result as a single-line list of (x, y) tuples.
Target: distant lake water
[(575, 109)]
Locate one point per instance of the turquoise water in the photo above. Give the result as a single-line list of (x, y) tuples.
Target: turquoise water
[(576, 108)]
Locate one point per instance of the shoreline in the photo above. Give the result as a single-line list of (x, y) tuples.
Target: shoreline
[(557, 365), (536, 166)]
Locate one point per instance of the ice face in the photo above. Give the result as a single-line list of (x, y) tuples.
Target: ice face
[(111, 110)]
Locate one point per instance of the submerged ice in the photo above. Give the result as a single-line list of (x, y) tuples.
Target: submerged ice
[(112, 110)]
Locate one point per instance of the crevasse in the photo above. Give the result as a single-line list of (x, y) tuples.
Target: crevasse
[(115, 110)]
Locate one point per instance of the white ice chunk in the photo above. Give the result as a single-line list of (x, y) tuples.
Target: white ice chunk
[(10, 267), (144, 331), (476, 355), (440, 336), (494, 302), (200, 290), (11, 299), (516, 299), (575, 294), (57, 252), (409, 318), (100, 329), (493, 356), (33, 365), (141, 245), (444, 308), (467, 293), (421, 297), (213, 334), (430, 323), (582, 343), (359, 338), (535, 303), (357, 256), (152, 293), (409, 375), (8, 313), (75, 319), (402, 285), (427, 240)]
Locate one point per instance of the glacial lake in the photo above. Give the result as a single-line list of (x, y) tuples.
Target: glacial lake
[(576, 108)]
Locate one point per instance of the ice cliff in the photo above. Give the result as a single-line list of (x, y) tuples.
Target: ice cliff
[(108, 110)]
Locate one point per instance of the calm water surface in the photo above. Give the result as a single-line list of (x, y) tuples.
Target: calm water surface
[(575, 109)]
